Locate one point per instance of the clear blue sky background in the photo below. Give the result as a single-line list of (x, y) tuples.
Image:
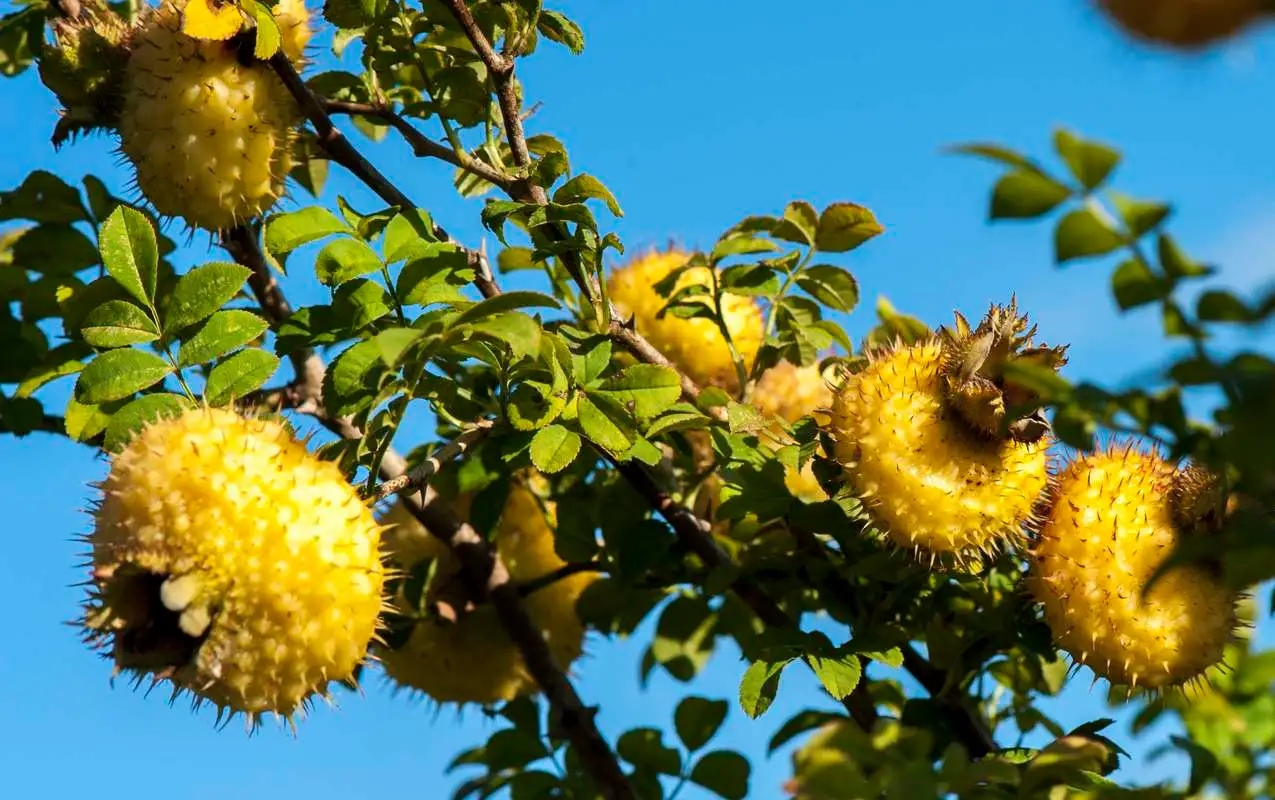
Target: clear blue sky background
[(695, 114)]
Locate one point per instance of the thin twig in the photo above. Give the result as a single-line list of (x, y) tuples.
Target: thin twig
[(566, 571), (419, 476)]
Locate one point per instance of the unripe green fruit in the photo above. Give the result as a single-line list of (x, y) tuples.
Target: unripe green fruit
[(84, 67)]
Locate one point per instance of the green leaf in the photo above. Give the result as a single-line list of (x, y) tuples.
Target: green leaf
[(138, 414), (555, 26), (409, 235), (554, 448), (86, 420), (201, 292), (1134, 284), (799, 225), (287, 232), (645, 389), (43, 197), (54, 250), (839, 674), (117, 374), (750, 280), (242, 373), (697, 719), (1175, 263), (845, 226), (1025, 195), (352, 379), (644, 747), (361, 302), (723, 772), (1081, 234), (222, 332), (393, 343), (586, 187), (1217, 305), (798, 724), (436, 276), (508, 301), (740, 244), (1139, 216), (759, 686), (63, 360), (1089, 161), (601, 428), (117, 323), (513, 259), (130, 252), (997, 153), (832, 286), (343, 260)]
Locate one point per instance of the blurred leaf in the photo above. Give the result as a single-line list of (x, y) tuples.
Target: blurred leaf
[(1204, 764), (238, 375), (723, 772), (202, 291), (644, 747), (997, 153), (43, 197), (117, 323), (117, 374), (832, 286), (1133, 284), (344, 259), (139, 413), (1140, 216), (697, 719), (844, 226), (130, 252), (1175, 263), (1081, 234), (222, 332), (1089, 162), (798, 724), (54, 250), (1217, 305), (553, 448), (1025, 195)]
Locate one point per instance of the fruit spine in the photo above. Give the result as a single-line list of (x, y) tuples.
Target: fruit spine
[(210, 134), (231, 561), (926, 440), (1114, 518)]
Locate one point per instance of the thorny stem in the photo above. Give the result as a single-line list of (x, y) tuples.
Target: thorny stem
[(420, 475), (566, 571), (484, 575)]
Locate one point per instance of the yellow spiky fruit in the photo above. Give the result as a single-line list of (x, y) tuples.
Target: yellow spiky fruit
[(234, 562), (791, 393), (458, 652), (210, 135), (1115, 516), (1186, 24), (918, 433), (696, 346)]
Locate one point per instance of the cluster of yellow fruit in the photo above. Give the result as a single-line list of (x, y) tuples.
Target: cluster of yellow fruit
[(208, 128), (231, 561), (926, 438)]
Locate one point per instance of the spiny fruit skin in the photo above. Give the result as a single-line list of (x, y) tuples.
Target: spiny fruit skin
[(696, 346), (464, 655), (791, 392), (234, 562), (1186, 24), (210, 136), (928, 480), (1110, 526), (84, 66)]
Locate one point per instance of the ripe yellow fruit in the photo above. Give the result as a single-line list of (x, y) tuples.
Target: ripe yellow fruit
[(210, 135), (1186, 24), (1115, 516), (696, 346), (791, 393), (918, 433), (459, 653), (232, 561)]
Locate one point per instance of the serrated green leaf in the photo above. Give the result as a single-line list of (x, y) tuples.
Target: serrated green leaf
[(237, 376), (351, 382), (1088, 161), (117, 374), (408, 236), (345, 259), (392, 343), (437, 275), (518, 331), (845, 226), (117, 323), (555, 26), (697, 719), (1025, 195), (644, 747), (741, 244), (586, 187), (287, 232), (360, 302), (268, 37), (601, 428), (832, 286), (838, 674), (139, 413), (645, 389), (130, 252), (201, 292), (1081, 234), (221, 333), (554, 448), (723, 772), (749, 280), (508, 301), (759, 686), (800, 223)]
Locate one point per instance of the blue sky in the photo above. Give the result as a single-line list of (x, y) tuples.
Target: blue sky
[(695, 114)]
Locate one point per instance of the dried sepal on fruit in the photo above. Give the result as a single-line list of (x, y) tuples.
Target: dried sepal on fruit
[(207, 127), (1115, 516), (695, 345), (454, 650), (231, 561), (923, 437), (84, 68), (1186, 24)]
